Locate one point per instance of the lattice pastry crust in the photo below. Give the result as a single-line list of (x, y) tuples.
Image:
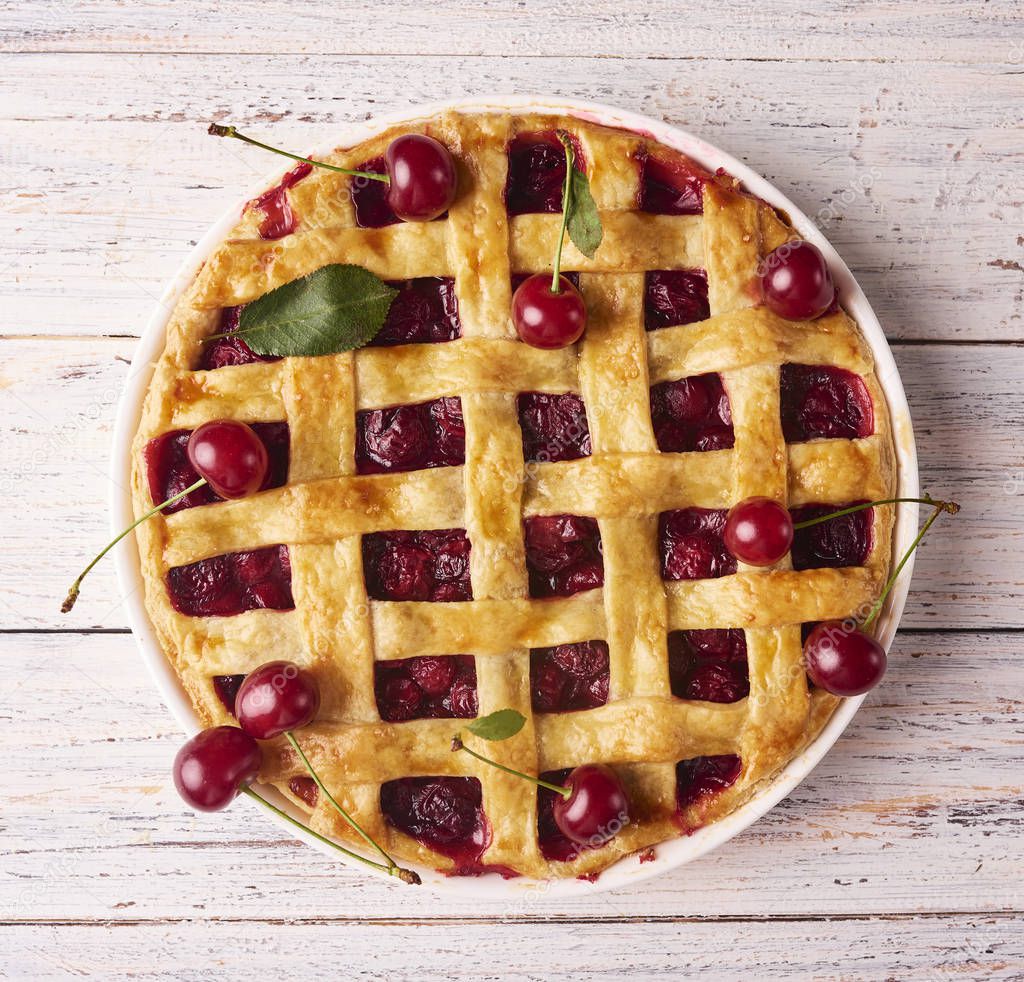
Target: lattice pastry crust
[(325, 506)]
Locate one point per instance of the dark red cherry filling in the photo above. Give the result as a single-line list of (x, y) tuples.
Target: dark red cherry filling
[(278, 218), (230, 350), (692, 414), (701, 776), (708, 665), (555, 845), (226, 687), (444, 813), (425, 311), (370, 198), (409, 438), (431, 565), (426, 687), (675, 296), (568, 677), (305, 788), (563, 555), (233, 583), (536, 172), (554, 427), (670, 187), (844, 541), (169, 471), (691, 544), (820, 401)]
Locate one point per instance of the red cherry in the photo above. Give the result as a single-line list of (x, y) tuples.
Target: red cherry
[(548, 320), (230, 456), (796, 282), (212, 767), (844, 661), (277, 697), (422, 175), (758, 531), (597, 808)]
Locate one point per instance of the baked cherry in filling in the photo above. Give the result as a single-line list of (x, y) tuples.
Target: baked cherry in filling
[(226, 687), (444, 813), (563, 555), (709, 665), (818, 401), (169, 471), (555, 845), (305, 788), (554, 427), (409, 438), (675, 296), (222, 586), (669, 187), (568, 677), (691, 544), (842, 541), (426, 687), (430, 565), (278, 218), (230, 350), (692, 414), (426, 311), (702, 776), (536, 172)]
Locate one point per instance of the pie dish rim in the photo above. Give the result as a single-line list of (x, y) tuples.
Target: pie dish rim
[(672, 853)]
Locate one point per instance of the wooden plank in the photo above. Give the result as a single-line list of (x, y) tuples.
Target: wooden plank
[(918, 809), (910, 168), (59, 398), (913, 948), (938, 29)]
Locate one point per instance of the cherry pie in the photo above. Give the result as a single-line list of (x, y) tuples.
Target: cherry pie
[(455, 522)]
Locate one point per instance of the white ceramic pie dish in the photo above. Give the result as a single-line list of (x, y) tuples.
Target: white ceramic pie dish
[(670, 855)]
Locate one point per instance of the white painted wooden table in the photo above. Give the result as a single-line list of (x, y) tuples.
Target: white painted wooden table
[(898, 124)]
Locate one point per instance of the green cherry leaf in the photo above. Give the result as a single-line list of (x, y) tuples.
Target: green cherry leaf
[(499, 725), (584, 221), (336, 308)]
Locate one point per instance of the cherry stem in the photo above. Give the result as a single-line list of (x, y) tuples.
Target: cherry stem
[(940, 507), (457, 744), (69, 600), (341, 811), (405, 875), (217, 130), (570, 156), (947, 506)]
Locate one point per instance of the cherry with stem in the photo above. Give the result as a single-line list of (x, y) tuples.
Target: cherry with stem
[(227, 454), (759, 531), (551, 313), (220, 763), (846, 660), (280, 697), (589, 811), (421, 176)]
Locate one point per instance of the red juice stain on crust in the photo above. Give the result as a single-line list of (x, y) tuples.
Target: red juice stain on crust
[(278, 218)]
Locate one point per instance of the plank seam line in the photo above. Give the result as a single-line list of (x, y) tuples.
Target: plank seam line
[(1005, 914), (498, 56)]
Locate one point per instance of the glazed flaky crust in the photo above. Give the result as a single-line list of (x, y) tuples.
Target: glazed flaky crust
[(643, 731)]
